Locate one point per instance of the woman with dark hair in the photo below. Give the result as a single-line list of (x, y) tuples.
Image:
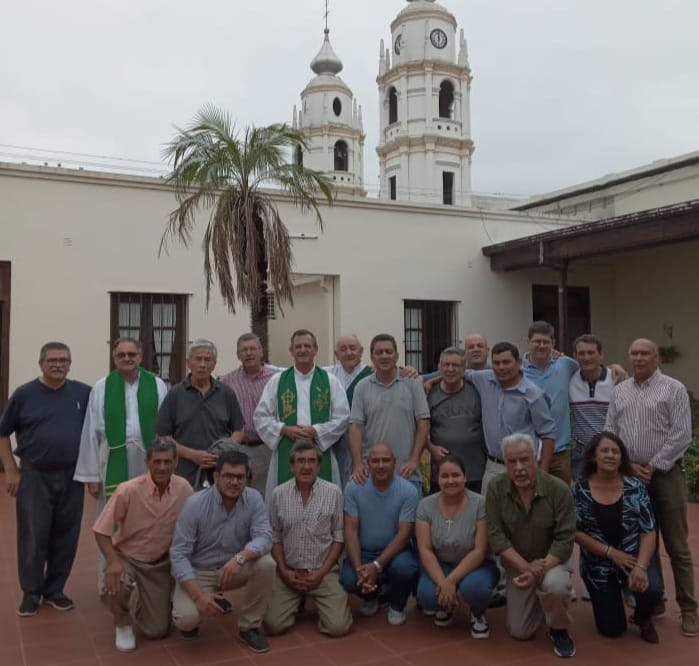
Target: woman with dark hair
[(616, 533), (452, 537)]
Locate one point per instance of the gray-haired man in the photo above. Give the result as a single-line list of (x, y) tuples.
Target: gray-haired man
[(198, 411)]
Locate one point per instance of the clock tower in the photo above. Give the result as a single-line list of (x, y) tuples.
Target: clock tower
[(424, 82), (331, 121)]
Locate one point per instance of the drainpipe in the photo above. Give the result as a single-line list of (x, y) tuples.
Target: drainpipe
[(563, 344)]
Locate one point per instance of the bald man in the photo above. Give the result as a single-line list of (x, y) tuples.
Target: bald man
[(651, 413), (476, 351)]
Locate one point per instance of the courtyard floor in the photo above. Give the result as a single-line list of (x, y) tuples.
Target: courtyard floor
[(85, 636)]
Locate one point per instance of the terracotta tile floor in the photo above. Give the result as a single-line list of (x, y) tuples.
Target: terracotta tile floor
[(85, 636)]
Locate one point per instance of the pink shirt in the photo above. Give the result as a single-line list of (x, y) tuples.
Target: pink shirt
[(248, 390), (140, 521)]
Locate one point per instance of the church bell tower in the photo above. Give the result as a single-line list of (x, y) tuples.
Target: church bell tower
[(424, 82)]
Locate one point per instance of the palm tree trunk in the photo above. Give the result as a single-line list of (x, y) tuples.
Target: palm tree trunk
[(258, 311)]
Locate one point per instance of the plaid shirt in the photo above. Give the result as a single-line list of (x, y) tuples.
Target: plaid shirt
[(248, 390), (306, 532)]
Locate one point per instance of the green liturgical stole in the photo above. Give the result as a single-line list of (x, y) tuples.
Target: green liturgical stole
[(115, 422), (366, 371), (287, 404)]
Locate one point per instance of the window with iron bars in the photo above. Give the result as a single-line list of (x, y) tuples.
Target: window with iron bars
[(430, 327), (158, 321)]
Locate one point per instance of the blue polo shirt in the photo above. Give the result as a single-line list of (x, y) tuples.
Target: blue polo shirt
[(520, 409), (554, 380)]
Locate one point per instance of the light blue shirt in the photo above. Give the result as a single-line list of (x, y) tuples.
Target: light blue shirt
[(379, 512), (207, 536), (520, 409), (554, 380)]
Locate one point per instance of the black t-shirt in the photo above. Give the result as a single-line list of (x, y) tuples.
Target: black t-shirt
[(47, 422), (197, 421)]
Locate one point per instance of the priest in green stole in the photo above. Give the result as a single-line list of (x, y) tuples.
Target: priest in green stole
[(120, 423), (303, 402)]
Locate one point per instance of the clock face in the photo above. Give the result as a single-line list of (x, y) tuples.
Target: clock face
[(438, 38), (396, 45)]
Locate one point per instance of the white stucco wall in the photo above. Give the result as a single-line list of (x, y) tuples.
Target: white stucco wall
[(655, 291)]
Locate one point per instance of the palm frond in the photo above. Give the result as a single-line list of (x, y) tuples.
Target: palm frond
[(217, 167)]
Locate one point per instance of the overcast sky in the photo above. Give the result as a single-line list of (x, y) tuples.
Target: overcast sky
[(564, 90)]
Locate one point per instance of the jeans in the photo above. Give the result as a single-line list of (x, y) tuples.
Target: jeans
[(608, 604), (400, 574), (49, 511), (475, 587)]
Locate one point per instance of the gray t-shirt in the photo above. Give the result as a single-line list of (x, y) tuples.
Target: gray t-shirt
[(452, 541), (456, 425), (388, 414)]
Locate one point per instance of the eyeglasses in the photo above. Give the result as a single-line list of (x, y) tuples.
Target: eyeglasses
[(227, 477), (57, 361), (125, 354)]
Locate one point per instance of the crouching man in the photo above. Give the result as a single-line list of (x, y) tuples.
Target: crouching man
[(379, 521), (306, 517), (134, 533), (531, 525), (222, 542)]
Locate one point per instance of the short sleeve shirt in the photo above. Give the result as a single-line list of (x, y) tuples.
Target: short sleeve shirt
[(379, 512), (197, 420), (452, 540), (47, 422)]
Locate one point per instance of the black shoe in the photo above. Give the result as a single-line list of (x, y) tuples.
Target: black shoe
[(60, 602), (254, 639), (190, 634), (563, 645), (497, 600), (28, 607), (648, 632)]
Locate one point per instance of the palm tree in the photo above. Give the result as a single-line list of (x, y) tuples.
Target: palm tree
[(246, 244)]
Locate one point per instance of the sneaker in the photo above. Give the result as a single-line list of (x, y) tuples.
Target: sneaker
[(443, 618), (585, 596), (125, 640), (648, 632), (689, 626), (573, 595), (396, 617), (60, 602), (28, 607), (563, 645), (255, 640), (189, 634), (479, 626), (369, 607), (430, 612)]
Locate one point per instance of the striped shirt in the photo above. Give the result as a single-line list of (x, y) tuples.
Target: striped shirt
[(306, 532), (248, 390), (652, 418), (589, 402)]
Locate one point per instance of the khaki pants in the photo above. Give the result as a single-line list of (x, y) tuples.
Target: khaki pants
[(257, 577), (492, 470), (668, 494), (528, 609), (334, 617), (144, 598)]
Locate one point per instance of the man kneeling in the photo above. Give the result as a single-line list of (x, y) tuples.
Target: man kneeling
[(306, 517), (222, 540), (379, 521), (134, 532)]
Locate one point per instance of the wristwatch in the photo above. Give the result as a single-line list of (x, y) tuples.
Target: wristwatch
[(240, 559), (378, 566)]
